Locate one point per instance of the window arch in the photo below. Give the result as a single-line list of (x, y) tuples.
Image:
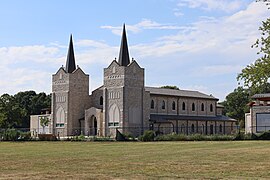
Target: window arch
[(101, 100), (60, 117), (173, 105), (220, 128), (211, 107), (114, 115), (163, 104), (193, 107), (202, 107), (183, 106), (152, 104), (192, 128)]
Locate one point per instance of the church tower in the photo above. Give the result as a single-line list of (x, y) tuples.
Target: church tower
[(124, 93), (70, 96)]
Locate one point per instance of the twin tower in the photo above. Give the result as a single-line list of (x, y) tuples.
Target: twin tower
[(121, 102)]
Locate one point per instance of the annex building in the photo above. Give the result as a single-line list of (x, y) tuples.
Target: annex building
[(258, 119), (123, 102)]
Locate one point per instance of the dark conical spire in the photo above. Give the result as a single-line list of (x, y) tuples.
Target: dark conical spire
[(70, 64), (124, 55)]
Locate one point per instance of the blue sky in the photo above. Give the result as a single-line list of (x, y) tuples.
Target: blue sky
[(197, 45)]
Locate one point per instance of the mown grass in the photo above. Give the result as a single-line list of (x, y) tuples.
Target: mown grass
[(135, 160)]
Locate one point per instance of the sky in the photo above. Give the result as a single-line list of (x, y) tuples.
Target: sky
[(194, 44)]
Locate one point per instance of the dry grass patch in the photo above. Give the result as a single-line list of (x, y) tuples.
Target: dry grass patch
[(135, 160)]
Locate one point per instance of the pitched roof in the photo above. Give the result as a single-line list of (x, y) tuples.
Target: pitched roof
[(165, 118), (180, 93), (124, 55), (259, 96), (70, 64)]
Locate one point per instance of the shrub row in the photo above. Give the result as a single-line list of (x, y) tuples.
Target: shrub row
[(88, 139), (14, 135), (260, 136), (151, 136)]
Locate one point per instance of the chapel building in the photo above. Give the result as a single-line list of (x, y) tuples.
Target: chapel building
[(124, 103)]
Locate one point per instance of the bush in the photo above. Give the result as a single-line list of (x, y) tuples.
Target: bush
[(25, 136), (196, 137), (10, 135), (148, 136), (81, 137), (129, 137), (103, 139), (171, 137), (243, 136), (220, 138), (264, 136), (193, 137), (239, 136)]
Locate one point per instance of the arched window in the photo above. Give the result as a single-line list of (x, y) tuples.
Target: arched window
[(193, 107), (60, 117), (163, 104), (152, 104), (192, 128), (101, 100), (114, 115), (173, 105), (220, 128), (202, 107), (211, 107), (183, 106)]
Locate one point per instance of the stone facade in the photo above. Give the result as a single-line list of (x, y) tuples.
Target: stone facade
[(70, 98), (123, 103)]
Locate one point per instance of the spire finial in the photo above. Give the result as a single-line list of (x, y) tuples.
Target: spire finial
[(124, 55), (70, 64)]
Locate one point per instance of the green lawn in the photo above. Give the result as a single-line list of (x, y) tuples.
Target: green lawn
[(135, 160)]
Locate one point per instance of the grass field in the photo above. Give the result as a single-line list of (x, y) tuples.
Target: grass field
[(135, 160)]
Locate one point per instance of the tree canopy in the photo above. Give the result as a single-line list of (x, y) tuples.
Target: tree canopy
[(15, 110), (235, 104), (257, 74)]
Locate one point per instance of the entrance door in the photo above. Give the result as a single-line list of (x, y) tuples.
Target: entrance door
[(93, 126), (211, 129)]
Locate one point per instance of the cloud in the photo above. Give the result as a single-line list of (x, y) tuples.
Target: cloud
[(31, 67), (209, 5), (143, 25), (36, 53), (230, 35), (178, 14), (211, 46), (216, 70)]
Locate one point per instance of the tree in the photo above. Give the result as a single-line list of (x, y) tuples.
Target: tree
[(15, 110), (170, 87), (44, 121), (10, 112), (235, 104), (256, 75), (31, 103)]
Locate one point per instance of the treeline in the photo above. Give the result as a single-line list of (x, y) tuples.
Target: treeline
[(236, 102), (15, 110)]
